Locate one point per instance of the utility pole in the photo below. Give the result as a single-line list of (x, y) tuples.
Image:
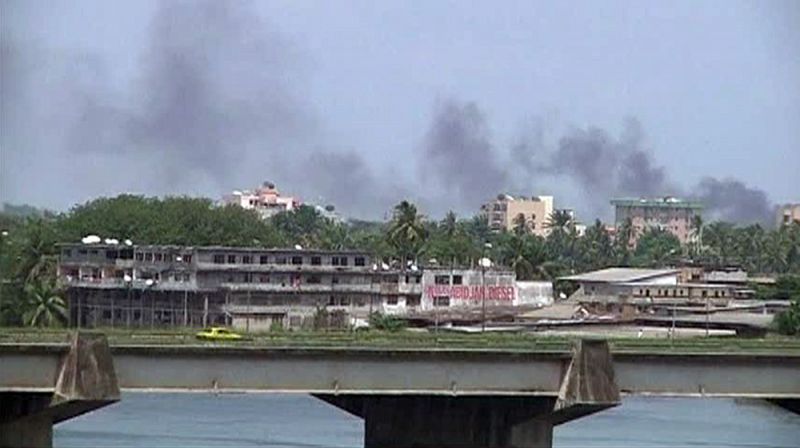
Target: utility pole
[(485, 262), (708, 311), (674, 312), (483, 296), (249, 311)]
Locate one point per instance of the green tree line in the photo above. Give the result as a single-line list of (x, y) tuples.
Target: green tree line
[(29, 293)]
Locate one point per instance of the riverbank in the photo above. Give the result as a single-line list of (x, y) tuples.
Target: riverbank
[(419, 339)]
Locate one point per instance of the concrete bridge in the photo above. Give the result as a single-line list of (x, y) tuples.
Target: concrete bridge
[(407, 397)]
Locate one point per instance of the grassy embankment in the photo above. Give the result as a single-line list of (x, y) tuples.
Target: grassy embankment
[(409, 339)]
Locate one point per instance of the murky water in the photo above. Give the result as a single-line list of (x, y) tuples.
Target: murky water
[(180, 420)]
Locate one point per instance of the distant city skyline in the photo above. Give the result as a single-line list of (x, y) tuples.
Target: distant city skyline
[(362, 104)]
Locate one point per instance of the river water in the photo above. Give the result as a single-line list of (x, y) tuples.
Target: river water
[(204, 420)]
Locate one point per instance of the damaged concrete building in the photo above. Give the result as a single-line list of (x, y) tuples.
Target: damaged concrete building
[(257, 289)]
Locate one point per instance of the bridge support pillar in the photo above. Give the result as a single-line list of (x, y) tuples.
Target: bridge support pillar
[(431, 421), (487, 421), (85, 381), (791, 405)]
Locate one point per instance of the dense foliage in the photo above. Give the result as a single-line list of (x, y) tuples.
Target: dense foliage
[(786, 287), (28, 251)]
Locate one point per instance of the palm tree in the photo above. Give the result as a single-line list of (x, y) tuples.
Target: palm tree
[(407, 231), (720, 240), (697, 235), (521, 225), (559, 219), (449, 224), (36, 254), (43, 306)]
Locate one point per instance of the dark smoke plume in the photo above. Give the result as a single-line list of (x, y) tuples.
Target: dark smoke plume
[(458, 155), (602, 167), (732, 200), (215, 88), (218, 103)]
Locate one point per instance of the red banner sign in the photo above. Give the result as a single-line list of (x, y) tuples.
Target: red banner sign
[(465, 292)]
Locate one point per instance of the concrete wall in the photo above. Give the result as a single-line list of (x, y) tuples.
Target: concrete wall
[(462, 288)]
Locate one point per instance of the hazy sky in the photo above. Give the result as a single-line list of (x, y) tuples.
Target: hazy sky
[(361, 103)]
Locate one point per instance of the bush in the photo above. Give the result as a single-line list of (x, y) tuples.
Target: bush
[(788, 322), (385, 322)]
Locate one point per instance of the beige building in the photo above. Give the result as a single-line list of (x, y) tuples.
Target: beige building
[(788, 214), (502, 211), (670, 214)]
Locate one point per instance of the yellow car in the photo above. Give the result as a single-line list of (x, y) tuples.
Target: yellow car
[(218, 334)]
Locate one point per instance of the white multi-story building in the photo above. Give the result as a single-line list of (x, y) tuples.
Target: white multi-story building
[(266, 200)]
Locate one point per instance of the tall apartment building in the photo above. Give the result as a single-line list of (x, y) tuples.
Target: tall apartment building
[(788, 214), (670, 214), (502, 211), (255, 289), (266, 200)]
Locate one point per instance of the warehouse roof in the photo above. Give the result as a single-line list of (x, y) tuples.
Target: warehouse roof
[(620, 275)]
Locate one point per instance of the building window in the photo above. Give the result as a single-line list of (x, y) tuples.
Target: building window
[(457, 280), (263, 259), (247, 259), (313, 280), (316, 261), (334, 261), (187, 277), (231, 259), (391, 300), (297, 260), (219, 259), (441, 301), (158, 256), (334, 280), (187, 258), (359, 261), (139, 256), (112, 254), (248, 277), (148, 256), (343, 261), (66, 253), (280, 260), (412, 301), (441, 279)]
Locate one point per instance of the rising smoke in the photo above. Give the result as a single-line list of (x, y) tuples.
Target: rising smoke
[(219, 102), (458, 157), (603, 167)]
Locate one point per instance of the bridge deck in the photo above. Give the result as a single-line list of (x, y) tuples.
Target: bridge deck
[(182, 368)]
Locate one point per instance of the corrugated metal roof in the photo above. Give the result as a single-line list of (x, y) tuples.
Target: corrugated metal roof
[(620, 275)]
